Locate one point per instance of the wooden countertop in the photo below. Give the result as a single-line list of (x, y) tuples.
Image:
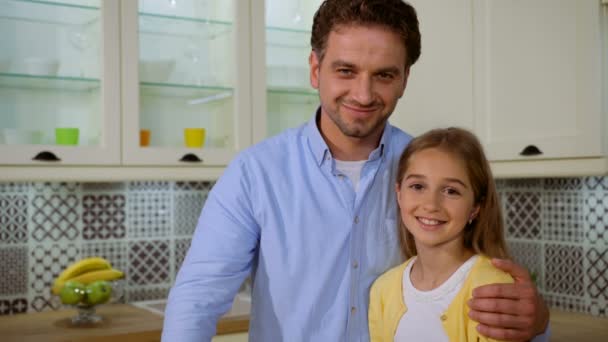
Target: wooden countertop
[(122, 323), (568, 326)]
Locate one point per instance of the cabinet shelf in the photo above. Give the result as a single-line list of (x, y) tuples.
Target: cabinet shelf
[(195, 94), (283, 37), (53, 83), (292, 91), (166, 25), (48, 12)]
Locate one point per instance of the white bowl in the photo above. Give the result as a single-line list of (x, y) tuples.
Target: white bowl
[(14, 136), (157, 70), (41, 66)]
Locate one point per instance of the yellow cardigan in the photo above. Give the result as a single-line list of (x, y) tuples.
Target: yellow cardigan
[(386, 303)]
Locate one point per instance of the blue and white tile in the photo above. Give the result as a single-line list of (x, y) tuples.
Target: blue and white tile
[(563, 184), (187, 209), (13, 218), (55, 217), (13, 305), (563, 217), (595, 212), (13, 270), (530, 255), (149, 215), (142, 293), (523, 215), (149, 263), (564, 271), (149, 186)]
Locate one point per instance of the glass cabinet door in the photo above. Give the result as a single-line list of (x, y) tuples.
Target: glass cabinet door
[(186, 78), (290, 100), (59, 82)]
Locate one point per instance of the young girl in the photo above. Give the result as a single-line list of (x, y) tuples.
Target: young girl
[(451, 225)]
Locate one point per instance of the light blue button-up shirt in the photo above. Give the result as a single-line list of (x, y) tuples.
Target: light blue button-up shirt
[(282, 211)]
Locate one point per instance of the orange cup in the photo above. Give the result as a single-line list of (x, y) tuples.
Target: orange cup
[(144, 137)]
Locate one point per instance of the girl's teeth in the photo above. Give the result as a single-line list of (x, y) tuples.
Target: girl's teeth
[(428, 221)]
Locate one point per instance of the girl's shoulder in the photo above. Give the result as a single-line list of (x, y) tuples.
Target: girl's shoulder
[(483, 272), (392, 276)]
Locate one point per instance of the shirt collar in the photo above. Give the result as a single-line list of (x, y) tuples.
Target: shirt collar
[(321, 151)]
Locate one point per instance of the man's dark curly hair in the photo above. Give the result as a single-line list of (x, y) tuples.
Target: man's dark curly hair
[(397, 15)]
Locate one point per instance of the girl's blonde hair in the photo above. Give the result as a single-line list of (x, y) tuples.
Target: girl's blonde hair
[(485, 234)]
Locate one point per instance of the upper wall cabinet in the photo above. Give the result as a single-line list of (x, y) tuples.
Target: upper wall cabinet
[(185, 81), (439, 92), (538, 78), (280, 51), (59, 82)]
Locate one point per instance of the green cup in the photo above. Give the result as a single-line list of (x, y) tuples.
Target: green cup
[(66, 136)]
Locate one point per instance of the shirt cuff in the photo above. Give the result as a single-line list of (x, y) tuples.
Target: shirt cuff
[(544, 337)]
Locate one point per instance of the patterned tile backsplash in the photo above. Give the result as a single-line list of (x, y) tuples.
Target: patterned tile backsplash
[(555, 227)]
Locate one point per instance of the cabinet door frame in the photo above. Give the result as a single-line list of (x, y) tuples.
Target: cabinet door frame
[(132, 153), (108, 151), (582, 141)]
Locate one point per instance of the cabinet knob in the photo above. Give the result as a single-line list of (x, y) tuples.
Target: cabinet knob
[(530, 150), (190, 158), (46, 156)]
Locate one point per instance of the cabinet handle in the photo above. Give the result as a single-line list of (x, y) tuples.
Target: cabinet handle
[(530, 150), (190, 158), (46, 156)]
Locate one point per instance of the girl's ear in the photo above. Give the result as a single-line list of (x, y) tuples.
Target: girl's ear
[(474, 213), (398, 191)]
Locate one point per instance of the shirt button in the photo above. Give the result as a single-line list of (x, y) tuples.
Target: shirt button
[(355, 264), (444, 317), (353, 310), (356, 219)]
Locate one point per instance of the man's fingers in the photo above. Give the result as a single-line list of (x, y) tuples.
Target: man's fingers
[(509, 291), (503, 306), (501, 320), (516, 271), (503, 334)]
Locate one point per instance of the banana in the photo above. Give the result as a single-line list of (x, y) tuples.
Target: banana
[(78, 268), (89, 277)]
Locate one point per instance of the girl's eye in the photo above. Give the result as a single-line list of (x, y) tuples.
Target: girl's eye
[(416, 186), (452, 192)]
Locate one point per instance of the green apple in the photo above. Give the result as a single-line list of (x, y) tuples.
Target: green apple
[(72, 292), (98, 292)]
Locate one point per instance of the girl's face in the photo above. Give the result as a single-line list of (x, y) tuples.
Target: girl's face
[(436, 199)]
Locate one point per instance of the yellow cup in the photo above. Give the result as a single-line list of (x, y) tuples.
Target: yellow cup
[(194, 137)]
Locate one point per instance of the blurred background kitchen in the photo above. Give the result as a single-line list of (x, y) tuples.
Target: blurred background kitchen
[(116, 118)]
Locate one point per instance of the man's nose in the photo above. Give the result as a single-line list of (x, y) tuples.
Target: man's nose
[(363, 91)]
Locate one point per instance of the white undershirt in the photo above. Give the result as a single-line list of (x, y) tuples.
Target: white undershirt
[(351, 169), (422, 321)]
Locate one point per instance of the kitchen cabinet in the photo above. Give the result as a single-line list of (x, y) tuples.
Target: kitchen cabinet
[(529, 78), (59, 68), (185, 66), (439, 92), (538, 78)]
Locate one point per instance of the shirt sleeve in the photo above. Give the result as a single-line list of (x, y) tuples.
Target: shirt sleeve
[(219, 259), (544, 337)]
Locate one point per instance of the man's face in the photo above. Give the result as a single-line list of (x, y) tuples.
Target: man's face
[(360, 80)]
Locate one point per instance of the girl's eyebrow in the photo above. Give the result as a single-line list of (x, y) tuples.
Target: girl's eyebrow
[(449, 179)]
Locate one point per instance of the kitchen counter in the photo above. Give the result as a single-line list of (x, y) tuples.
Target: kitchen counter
[(128, 323), (122, 323)]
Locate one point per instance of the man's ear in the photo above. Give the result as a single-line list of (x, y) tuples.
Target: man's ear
[(314, 64), (406, 75)]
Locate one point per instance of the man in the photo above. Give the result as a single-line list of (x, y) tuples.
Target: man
[(311, 213)]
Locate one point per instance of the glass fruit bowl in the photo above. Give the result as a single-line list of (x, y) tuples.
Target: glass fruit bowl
[(86, 298)]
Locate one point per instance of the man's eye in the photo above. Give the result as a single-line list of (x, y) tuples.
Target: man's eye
[(345, 71), (386, 76)]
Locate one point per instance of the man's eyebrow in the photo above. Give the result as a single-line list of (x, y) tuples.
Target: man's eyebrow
[(341, 63)]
